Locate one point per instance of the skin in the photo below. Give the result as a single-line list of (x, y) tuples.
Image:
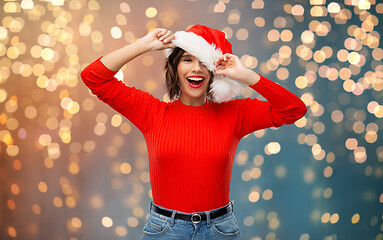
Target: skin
[(159, 39), (190, 66)]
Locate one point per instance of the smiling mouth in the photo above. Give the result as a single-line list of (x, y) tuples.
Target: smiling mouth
[(195, 82)]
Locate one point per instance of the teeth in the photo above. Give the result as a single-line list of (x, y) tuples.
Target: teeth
[(195, 79)]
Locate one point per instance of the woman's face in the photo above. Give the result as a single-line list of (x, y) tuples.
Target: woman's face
[(193, 79)]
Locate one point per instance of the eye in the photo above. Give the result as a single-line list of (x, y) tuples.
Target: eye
[(188, 60)]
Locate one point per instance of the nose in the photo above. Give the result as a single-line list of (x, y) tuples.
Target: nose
[(197, 66)]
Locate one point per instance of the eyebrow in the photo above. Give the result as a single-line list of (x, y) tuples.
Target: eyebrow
[(187, 55)]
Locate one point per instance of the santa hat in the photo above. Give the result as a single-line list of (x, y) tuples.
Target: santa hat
[(208, 44)]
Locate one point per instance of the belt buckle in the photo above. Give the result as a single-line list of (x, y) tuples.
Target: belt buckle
[(196, 214)]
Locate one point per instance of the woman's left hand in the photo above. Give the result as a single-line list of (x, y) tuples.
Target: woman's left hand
[(231, 66)]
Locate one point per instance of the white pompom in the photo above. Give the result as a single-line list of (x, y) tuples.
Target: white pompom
[(223, 89)]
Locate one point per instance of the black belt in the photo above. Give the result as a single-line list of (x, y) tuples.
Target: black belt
[(193, 217)]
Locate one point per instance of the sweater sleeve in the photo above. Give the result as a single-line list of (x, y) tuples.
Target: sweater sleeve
[(137, 106), (282, 107)]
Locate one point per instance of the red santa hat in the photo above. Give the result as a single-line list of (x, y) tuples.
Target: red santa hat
[(208, 44)]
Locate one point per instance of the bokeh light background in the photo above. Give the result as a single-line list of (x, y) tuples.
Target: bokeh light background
[(72, 168)]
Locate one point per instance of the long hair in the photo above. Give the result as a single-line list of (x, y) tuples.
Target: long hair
[(172, 78)]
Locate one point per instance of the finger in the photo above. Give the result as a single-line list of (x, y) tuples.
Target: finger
[(162, 32), (219, 60), (219, 72), (170, 45), (167, 37)]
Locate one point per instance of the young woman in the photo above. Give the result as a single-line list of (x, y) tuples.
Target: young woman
[(192, 140)]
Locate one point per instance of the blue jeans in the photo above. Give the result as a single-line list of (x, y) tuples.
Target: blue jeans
[(158, 226)]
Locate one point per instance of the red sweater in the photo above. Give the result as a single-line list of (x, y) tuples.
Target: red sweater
[(191, 149)]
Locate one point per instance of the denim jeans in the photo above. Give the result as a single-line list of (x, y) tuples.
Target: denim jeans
[(158, 226)]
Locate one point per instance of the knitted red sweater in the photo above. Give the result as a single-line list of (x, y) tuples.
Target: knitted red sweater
[(191, 149)]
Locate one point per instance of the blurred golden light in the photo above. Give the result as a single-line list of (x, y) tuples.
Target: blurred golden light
[(286, 35), (70, 202), (355, 218), (327, 192), (89, 146), (219, 7), (66, 189), (317, 2), (360, 154), (12, 231), (12, 150), (107, 222), (145, 177), (15, 190), (125, 168), (280, 172), (301, 82), (273, 35), (353, 58), (74, 168), (364, 4), (257, 4), (309, 175), (132, 222), (246, 176), (116, 32), (272, 148), (333, 7), (11, 204), (318, 11), (297, 10), (121, 231), (242, 157), (328, 171), (138, 211), (255, 173), (88, 104), (325, 218), (254, 196), (301, 122), (57, 202), (334, 218), (242, 34), (259, 21), (93, 5), (17, 165), (124, 7), (151, 12), (267, 194), (76, 222), (36, 209), (234, 16), (42, 186)]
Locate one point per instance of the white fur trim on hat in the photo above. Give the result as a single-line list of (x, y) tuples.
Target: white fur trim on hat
[(222, 88)]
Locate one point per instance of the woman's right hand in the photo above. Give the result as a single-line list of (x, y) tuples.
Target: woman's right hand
[(159, 39)]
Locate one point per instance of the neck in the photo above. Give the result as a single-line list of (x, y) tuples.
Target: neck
[(193, 101)]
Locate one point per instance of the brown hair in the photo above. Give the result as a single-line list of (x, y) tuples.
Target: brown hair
[(171, 74)]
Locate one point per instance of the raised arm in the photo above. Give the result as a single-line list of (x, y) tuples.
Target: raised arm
[(281, 107), (138, 106), (158, 39)]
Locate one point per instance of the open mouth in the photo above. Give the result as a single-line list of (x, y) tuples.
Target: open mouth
[(195, 82)]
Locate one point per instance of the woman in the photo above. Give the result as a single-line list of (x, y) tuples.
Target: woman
[(192, 140)]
